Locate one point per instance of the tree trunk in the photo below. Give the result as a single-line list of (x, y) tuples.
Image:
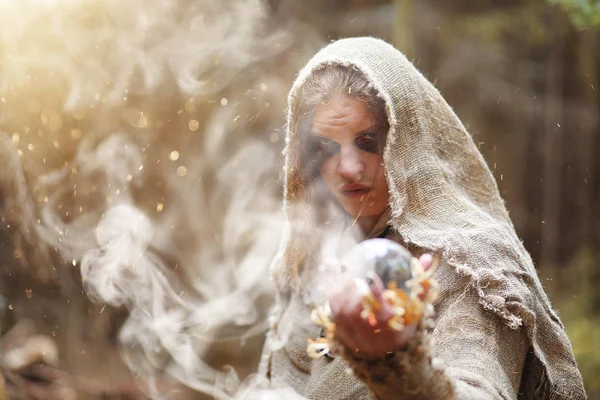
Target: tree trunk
[(551, 145), (403, 35)]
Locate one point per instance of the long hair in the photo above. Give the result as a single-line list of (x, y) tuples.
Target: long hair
[(310, 206)]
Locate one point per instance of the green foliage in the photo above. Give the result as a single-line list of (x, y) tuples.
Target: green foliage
[(583, 13)]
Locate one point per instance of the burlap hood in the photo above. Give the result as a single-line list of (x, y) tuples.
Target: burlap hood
[(445, 199)]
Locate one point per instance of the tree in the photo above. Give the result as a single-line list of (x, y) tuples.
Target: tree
[(583, 13)]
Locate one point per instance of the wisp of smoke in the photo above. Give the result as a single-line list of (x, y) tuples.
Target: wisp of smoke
[(139, 138)]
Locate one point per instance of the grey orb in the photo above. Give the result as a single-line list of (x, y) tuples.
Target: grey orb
[(386, 258)]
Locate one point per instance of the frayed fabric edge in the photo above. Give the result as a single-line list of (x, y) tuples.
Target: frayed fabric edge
[(491, 302), (525, 318)]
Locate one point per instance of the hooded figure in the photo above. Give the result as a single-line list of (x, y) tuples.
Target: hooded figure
[(494, 333)]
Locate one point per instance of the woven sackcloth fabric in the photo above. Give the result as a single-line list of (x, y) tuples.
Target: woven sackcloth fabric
[(445, 200)]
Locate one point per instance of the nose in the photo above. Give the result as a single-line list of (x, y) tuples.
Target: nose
[(350, 165)]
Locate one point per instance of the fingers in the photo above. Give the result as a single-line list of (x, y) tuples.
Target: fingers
[(346, 307), (372, 336), (360, 334), (352, 329), (376, 285), (384, 313), (426, 261)]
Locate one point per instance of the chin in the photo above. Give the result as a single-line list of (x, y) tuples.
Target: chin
[(357, 211)]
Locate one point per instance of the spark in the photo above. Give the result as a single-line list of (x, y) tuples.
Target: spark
[(194, 125), (181, 170), (135, 118)]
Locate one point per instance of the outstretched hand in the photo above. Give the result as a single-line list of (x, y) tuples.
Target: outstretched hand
[(371, 338)]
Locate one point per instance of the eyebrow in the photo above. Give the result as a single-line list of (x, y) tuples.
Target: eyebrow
[(375, 128)]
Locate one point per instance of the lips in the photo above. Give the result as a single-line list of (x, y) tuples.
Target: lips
[(354, 191)]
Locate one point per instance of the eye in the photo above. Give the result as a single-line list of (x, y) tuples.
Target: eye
[(370, 142), (325, 147)]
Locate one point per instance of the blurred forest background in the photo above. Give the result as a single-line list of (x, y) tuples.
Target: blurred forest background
[(523, 75)]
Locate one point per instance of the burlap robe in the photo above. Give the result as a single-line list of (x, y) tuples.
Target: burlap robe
[(496, 334)]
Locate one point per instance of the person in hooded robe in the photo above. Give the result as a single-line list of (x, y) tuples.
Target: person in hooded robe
[(373, 150)]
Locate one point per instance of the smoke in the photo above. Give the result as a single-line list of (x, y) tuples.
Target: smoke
[(140, 141)]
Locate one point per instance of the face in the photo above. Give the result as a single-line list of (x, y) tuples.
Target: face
[(349, 141)]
